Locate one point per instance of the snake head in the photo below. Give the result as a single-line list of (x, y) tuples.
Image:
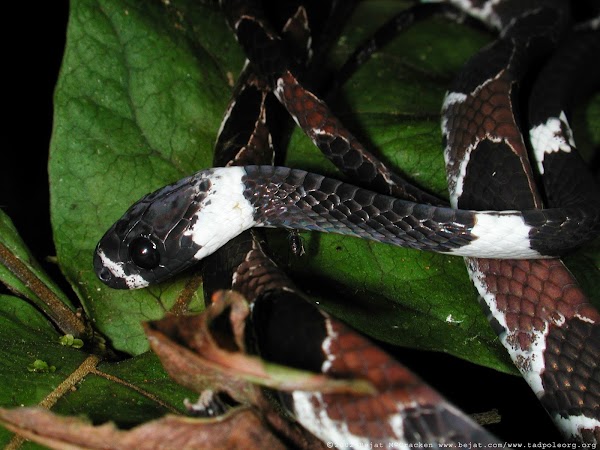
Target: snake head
[(171, 229)]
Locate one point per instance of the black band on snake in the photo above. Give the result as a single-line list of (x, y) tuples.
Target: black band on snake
[(173, 228)]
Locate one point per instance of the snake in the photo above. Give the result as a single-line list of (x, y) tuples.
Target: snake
[(288, 329), (540, 314), (184, 222), (173, 228)]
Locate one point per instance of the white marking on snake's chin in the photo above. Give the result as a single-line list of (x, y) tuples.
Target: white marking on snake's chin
[(311, 411), (133, 281), (223, 214), (551, 137), (499, 235)]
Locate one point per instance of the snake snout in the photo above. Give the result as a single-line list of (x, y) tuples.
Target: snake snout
[(104, 275), (102, 272)]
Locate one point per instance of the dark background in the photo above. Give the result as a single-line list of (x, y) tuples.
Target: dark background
[(33, 50), (34, 38)]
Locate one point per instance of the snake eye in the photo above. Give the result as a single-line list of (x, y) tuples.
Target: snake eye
[(143, 253)]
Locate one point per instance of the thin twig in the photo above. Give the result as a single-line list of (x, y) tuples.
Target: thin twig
[(64, 318)]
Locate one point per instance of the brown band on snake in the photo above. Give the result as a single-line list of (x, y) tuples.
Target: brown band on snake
[(290, 330), (261, 44)]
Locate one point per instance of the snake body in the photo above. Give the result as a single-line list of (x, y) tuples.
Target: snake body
[(190, 219), (176, 226), (544, 320), (288, 329)]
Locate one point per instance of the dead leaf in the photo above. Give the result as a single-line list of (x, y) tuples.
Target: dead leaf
[(206, 351), (242, 428)]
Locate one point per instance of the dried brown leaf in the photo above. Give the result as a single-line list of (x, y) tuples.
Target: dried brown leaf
[(206, 352), (242, 428)]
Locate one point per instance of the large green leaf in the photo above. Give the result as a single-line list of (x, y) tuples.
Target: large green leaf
[(138, 104), (141, 94), (19, 270)]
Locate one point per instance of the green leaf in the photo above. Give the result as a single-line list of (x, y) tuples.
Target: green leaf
[(21, 273), (26, 337), (14, 245), (140, 98), (128, 393), (36, 369), (138, 105)]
